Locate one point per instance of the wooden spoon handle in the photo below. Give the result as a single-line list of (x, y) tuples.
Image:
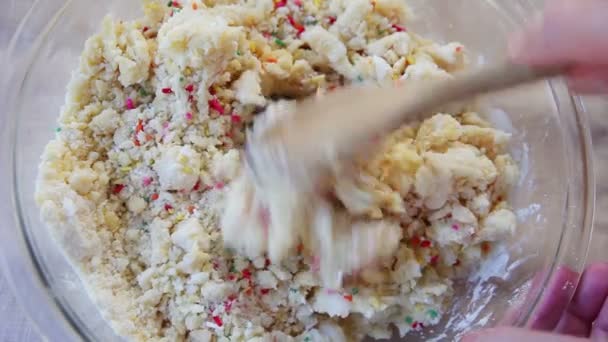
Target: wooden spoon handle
[(343, 120)]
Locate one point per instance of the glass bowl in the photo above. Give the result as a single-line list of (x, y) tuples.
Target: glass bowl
[(554, 200)]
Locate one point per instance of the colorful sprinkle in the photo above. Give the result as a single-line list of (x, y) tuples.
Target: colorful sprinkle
[(434, 259), (457, 263), (279, 4), (189, 88), (145, 29), (348, 297), (299, 28), (271, 60), (415, 325), (191, 209), (246, 274), (485, 247), (455, 226), (58, 129), (117, 188), (218, 321), (235, 118), (409, 320), (154, 197), (168, 207), (219, 185), (355, 290), (147, 181), (298, 3), (459, 49), (332, 20), (197, 185), (399, 28), (129, 103), (415, 241), (216, 105), (433, 314), (425, 244), (194, 6), (188, 116), (167, 91), (279, 42), (317, 3), (264, 291)]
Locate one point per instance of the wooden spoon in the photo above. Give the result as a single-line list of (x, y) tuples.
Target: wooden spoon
[(344, 120)]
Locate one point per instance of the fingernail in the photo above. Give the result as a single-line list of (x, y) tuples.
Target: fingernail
[(471, 337)]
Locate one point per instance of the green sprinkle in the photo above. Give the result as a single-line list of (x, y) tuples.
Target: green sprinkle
[(58, 129), (232, 269), (142, 92), (311, 22), (181, 79), (360, 78), (409, 320), (307, 339), (238, 53), (354, 290), (291, 289), (433, 314), (280, 42), (170, 3)]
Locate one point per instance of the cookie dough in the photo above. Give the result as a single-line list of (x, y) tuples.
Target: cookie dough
[(134, 184)]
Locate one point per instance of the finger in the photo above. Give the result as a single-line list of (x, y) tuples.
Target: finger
[(505, 334), (558, 293), (568, 32), (599, 331), (586, 303), (589, 79)]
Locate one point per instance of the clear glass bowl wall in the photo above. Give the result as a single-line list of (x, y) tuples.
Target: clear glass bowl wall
[(554, 199)]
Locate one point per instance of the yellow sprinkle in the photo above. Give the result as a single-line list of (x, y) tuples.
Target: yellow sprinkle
[(188, 71), (317, 3), (126, 168), (375, 302), (180, 217), (252, 46), (182, 159), (188, 170), (410, 59), (419, 307)]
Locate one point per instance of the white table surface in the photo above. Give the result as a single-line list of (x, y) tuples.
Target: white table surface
[(16, 327)]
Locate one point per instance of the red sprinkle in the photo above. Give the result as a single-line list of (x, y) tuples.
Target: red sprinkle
[(146, 28), (280, 4), (215, 104), (246, 274), (332, 20), (415, 241), (434, 259), (457, 263), (219, 185), (129, 103), (176, 4), (168, 207), (296, 25), (118, 188), (264, 291), (298, 2), (348, 297), (191, 209), (485, 246), (188, 116), (189, 88), (455, 227), (190, 98), (399, 28), (167, 91), (211, 90), (459, 49), (267, 262), (154, 197), (425, 244), (415, 325), (218, 320), (147, 181), (197, 186), (235, 118)]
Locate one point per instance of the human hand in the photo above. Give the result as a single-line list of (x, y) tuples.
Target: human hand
[(558, 319), (571, 32)]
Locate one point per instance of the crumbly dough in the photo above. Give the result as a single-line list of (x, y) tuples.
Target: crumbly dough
[(134, 184)]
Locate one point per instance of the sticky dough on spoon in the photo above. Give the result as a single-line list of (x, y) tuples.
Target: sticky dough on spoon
[(280, 210)]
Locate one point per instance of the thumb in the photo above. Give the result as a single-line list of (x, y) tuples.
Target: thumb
[(569, 31), (507, 334)]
